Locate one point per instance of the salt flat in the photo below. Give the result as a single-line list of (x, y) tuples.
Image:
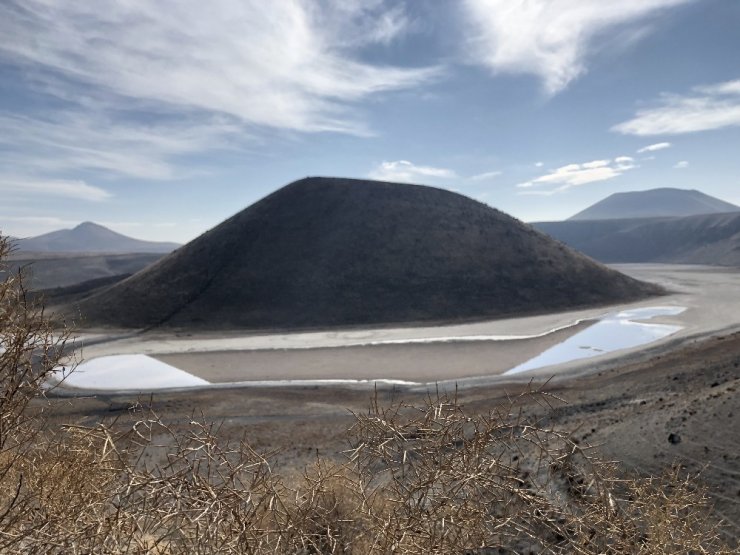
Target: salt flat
[(470, 351), (125, 372), (620, 330)]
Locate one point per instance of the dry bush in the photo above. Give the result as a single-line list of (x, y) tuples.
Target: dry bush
[(429, 478), (438, 480), (29, 351)]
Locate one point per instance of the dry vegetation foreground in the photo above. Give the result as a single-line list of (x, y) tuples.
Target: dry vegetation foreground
[(678, 408), (476, 473)]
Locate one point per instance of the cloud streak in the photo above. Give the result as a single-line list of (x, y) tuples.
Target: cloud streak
[(131, 90), (705, 108), (654, 147), (485, 176), (551, 39), (71, 141), (575, 175), (408, 172), (64, 188), (273, 64)]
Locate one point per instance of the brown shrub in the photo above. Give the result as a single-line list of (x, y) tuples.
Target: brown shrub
[(417, 479)]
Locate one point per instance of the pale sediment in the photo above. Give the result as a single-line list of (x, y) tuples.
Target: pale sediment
[(414, 362)]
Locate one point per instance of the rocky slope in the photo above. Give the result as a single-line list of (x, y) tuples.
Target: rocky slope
[(325, 252)]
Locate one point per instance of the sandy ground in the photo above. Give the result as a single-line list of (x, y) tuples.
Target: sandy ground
[(710, 294)]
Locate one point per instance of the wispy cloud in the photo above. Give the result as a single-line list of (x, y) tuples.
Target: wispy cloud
[(70, 141), (705, 108), (654, 147), (485, 176), (65, 188), (280, 64), (681, 165), (550, 38), (574, 175), (728, 87), (408, 172), (130, 88), (46, 221)]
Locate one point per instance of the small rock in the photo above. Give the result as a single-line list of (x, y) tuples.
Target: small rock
[(674, 438)]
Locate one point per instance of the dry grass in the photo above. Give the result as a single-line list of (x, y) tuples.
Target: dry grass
[(417, 479)]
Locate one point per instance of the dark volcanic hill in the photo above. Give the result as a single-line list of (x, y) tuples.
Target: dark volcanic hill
[(328, 252), (90, 237), (664, 202), (705, 239)]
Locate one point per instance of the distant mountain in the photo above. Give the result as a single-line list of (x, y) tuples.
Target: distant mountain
[(334, 252), (664, 202), (90, 237), (705, 239)]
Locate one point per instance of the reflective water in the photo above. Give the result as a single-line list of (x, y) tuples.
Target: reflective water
[(127, 372), (619, 330)]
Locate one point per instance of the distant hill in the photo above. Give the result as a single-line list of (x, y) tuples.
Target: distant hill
[(90, 237), (324, 252), (704, 239), (664, 202)]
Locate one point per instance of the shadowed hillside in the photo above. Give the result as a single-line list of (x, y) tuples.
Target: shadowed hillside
[(328, 252), (665, 202), (707, 239), (51, 270), (90, 237)]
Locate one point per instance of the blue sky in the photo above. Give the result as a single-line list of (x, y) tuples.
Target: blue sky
[(161, 119)]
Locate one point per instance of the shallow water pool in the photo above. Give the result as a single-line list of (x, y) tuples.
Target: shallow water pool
[(615, 331), (126, 372)]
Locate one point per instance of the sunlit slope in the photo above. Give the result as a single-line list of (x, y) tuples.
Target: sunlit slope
[(329, 252)]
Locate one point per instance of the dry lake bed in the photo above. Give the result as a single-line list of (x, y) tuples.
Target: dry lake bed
[(702, 301)]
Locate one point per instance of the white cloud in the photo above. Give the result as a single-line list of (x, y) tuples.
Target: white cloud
[(405, 171), (92, 141), (706, 107), (574, 175), (624, 163), (539, 164), (681, 165), (595, 164), (66, 188), (287, 64), (366, 21), (138, 84), (551, 39), (728, 87), (654, 147), (485, 176)]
